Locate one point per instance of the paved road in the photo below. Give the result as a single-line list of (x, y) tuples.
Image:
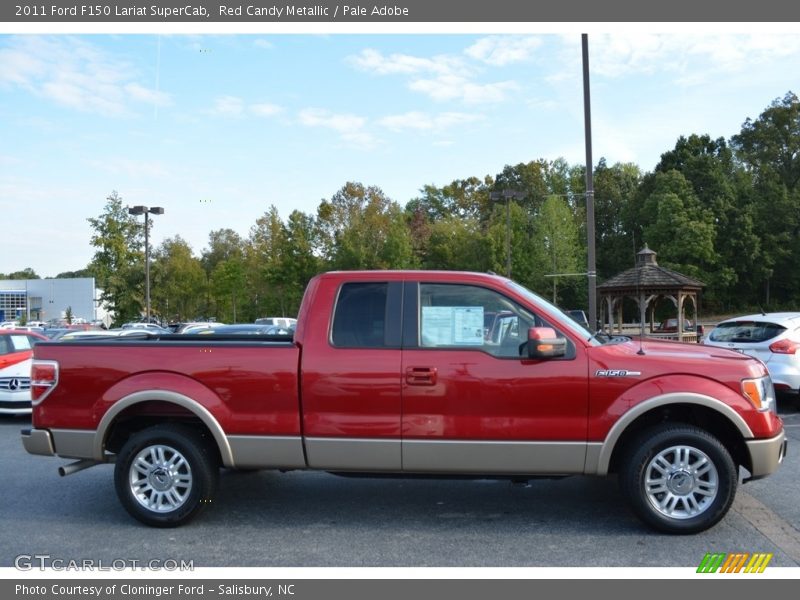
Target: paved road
[(308, 519)]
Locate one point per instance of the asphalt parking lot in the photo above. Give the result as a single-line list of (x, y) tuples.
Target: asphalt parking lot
[(309, 519)]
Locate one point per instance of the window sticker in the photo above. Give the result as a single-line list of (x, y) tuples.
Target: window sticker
[(452, 325)]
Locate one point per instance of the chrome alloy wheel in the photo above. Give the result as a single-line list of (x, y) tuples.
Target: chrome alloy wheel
[(160, 478), (681, 482)]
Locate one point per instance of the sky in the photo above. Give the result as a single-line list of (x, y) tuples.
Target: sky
[(215, 128)]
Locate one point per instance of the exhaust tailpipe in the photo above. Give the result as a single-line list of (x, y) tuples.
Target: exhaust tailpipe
[(80, 465)]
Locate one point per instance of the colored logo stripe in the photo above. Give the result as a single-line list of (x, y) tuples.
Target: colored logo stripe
[(734, 563)]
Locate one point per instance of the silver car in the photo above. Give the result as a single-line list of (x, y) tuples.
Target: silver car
[(773, 338)]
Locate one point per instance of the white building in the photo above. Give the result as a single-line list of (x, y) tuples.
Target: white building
[(46, 299)]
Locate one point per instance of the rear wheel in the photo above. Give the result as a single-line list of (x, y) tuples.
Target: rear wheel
[(166, 475), (678, 478)]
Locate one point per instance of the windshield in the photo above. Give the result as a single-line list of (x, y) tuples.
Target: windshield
[(746, 332), (555, 314)]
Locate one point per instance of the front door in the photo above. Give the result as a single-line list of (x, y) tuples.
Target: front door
[(472, 402)]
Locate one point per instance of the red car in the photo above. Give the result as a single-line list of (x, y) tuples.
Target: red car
[(393, 372)]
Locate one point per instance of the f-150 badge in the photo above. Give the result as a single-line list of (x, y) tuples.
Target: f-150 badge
[(616, 373)]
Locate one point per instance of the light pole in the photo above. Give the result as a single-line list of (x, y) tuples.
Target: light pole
[(146, 211), (507, 196), (590, 233)]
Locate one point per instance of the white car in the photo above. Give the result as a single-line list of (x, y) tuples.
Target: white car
[(16, 351), (773, 338)]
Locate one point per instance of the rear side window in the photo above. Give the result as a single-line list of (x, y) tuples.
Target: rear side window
[(14, 343), (745, 332), (360, 317)]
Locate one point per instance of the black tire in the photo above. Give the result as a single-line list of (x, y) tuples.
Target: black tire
[(176, 479), (693, 481)]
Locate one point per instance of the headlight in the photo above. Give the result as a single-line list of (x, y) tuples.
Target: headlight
[(760, 393)]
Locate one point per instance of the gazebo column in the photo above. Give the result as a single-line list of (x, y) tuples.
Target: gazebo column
[(652, 315), (681, 298)]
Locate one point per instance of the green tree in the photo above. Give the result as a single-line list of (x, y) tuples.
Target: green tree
[(360, 228), (224, 264), (26, 273), (679, 228), (716, 180), (264, 258), (87, 272), (457, 244), (615, 189), (557, 233), (178, 281), (118, 262), (769, 148)]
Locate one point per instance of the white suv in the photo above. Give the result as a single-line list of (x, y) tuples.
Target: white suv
[(773, 338)]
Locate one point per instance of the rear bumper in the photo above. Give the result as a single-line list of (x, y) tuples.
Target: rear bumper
[(38, 441), (766, 455)]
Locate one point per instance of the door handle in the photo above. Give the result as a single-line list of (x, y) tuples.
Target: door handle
[(421, 375)]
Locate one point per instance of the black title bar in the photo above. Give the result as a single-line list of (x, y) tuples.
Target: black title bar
[(397, 11)]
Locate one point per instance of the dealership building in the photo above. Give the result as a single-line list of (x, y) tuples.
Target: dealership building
[(46, 299)]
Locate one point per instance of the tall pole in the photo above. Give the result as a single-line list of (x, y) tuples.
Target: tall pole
[(147, 265), (146, 211), (508, 237), (590, 233)]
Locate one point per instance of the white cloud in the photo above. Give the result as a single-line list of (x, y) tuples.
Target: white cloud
[(147, 95), (451, 87), (76, 74), (419, 121), (351, 128), (499, 51), (265, 109), (443, 77), (228, 106), (263, 44), (405, 64), (692, 57), (233, 106)]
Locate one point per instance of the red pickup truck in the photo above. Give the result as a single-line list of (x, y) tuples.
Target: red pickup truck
[(396, 372)]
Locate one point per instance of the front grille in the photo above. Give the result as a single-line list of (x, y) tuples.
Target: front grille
[(15, 384), (14, 405)]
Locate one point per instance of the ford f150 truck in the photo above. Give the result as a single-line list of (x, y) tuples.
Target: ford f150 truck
[(411, 373)]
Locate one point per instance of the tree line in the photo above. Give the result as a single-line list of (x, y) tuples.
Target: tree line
[(726, 212)]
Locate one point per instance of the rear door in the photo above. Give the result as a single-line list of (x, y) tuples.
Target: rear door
[(351, 378), (472, 402)]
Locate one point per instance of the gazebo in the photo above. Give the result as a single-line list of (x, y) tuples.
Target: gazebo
[(646, 284)]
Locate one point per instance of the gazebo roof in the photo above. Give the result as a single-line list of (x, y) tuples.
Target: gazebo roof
[(648, 276)]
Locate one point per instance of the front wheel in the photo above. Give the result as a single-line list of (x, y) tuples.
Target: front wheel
[(678, 478), (165, 475)]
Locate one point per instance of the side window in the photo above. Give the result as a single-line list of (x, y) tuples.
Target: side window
[(5, 345), (21, 342), (360, 317), (463, 316)]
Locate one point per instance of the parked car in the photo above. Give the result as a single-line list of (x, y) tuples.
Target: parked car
[(196, 327), (279, 321), (150, 327), (773, 338), (16, 353), (245, 329)]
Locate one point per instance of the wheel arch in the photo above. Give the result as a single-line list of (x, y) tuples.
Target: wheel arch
[(183, 404), (710, 414)]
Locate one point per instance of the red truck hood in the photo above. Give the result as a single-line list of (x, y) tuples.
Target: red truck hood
[(654, 358)]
